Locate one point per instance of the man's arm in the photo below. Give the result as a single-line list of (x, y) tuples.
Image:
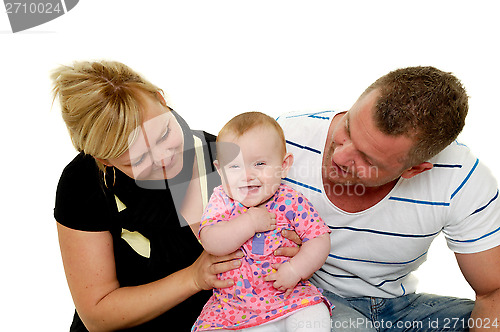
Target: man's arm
[(482, 271)]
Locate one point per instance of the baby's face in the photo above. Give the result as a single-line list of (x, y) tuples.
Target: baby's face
[(252, 174)]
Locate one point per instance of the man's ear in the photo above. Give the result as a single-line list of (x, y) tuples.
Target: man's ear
[(417, 169), (287, 163)]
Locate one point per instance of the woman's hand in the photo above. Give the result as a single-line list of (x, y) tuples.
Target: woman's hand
[(103, 305), (207, 267), (289, 251)]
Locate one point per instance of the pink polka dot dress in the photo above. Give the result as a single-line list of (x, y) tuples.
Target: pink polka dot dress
[(252, 301)]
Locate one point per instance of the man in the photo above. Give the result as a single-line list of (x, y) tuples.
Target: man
[(387, 177)]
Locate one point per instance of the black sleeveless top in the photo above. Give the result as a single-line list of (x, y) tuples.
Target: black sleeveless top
[(145, 210)]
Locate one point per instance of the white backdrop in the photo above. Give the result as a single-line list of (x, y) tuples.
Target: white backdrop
[(215, 59)]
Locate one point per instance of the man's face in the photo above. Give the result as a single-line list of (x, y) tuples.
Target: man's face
[(357, 152)]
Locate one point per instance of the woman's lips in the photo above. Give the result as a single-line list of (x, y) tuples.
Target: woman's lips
[(166, 163)]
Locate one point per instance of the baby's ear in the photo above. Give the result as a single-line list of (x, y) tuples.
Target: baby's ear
[(217, 166), (287, 163)]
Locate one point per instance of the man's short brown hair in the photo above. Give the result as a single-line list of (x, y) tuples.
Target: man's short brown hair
[(424, 103)]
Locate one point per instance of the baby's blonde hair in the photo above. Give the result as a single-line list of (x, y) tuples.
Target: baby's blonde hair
[(100, 104), (243, 122)]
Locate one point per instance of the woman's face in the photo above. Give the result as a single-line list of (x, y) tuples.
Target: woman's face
[(157, 150)]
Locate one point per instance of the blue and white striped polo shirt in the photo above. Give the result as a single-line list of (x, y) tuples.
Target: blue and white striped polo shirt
[(374, 252)]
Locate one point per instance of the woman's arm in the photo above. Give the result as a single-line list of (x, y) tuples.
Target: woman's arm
[(103, 305), (227, 236)]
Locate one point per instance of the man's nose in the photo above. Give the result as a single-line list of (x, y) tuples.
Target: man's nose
[(344, 154)]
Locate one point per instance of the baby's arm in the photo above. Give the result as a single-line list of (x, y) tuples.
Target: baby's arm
[(227, 236), (311, 256)]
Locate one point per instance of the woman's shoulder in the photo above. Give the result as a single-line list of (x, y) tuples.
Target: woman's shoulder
[(209, 138), (204, 136), (80, 175), (80, 200), (79, 163)]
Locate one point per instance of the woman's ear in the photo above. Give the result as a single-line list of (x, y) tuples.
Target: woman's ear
[(287, 163), (103, 161), (161, 99)]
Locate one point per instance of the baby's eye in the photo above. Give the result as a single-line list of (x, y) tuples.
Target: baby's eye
[(260, 163), (234, 166)]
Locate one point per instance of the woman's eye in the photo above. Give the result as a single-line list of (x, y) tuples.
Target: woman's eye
[(164, 136), (138, 162)]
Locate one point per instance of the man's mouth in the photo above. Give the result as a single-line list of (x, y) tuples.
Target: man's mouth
[(342, 171)]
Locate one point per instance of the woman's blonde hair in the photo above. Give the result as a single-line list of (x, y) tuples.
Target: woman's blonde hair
[(100, 104)]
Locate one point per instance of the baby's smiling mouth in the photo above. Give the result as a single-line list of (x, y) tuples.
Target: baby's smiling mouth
[(250, 188)]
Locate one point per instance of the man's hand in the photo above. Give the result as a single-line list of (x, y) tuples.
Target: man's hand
[(289, 251)]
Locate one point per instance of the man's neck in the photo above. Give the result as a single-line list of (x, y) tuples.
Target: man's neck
[(357, 198)]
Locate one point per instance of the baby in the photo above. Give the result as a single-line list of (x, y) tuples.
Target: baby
[(248, 212)]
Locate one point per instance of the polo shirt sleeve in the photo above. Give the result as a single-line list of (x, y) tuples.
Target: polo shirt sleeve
[(474, 220)]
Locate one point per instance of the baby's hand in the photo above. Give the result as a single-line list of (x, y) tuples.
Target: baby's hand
[(285, 278), (261, 219)]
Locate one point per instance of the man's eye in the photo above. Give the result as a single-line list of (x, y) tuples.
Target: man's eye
[(367, 161)]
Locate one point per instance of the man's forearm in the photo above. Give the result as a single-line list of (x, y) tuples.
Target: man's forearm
[(486, 313)]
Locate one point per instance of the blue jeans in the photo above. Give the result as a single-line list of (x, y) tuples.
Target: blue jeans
[(412, 312)]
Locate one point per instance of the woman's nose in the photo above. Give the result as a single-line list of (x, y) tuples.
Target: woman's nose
[(161, 156)]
